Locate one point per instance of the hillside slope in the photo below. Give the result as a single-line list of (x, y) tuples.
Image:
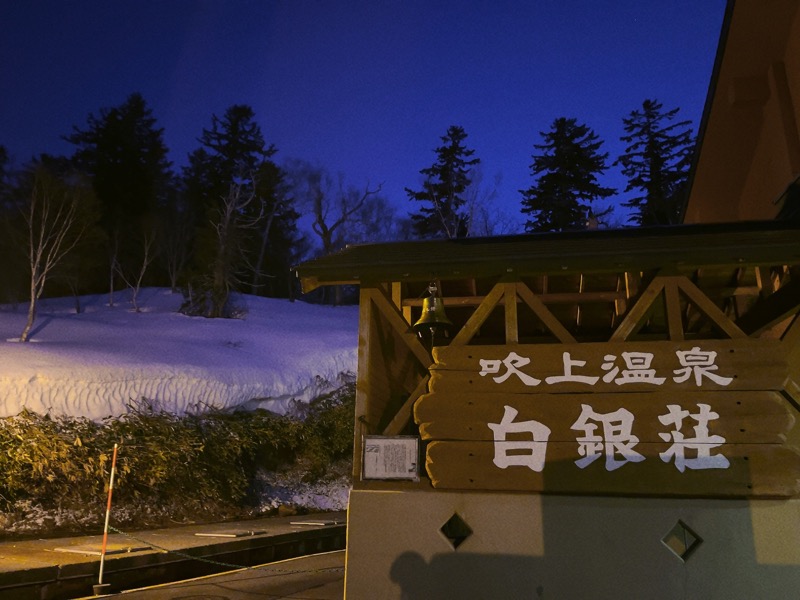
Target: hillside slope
[(95, 363)]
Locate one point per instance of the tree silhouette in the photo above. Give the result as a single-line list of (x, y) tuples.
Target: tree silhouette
[(54, 226), (123, 152), (442, 193), (237, 198), (566, 171), (13, 267), (656, 162), (230, 152)]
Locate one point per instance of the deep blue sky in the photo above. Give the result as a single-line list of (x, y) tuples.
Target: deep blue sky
[(364, 88)]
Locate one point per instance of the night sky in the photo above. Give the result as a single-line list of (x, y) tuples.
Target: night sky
[(362, 88)]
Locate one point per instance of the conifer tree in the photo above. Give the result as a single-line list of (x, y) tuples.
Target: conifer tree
[(123, 152), (443, 213), (566, 171), (5, 172), (656, 162), (237, 197), (13, 267), (230, 152)]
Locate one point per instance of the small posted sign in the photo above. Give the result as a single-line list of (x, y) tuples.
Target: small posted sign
[(391, 457)]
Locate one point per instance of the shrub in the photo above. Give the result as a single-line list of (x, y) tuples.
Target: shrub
[(327, 430), (49, 458), (202, 463)]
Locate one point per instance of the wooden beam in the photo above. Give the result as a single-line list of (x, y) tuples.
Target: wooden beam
[(511, 321), (632, 321), (619, 305), (403, 415), (674, 316), (397, 299), (557, 298), (544, 314), (365, 345), (399, 324), (791, 336), (477, 318), (771, 309), (709, 309)]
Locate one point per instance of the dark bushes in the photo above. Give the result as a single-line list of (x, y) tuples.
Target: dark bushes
[(194, 464)]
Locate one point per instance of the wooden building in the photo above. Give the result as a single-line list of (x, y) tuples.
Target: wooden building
[(613, 413)]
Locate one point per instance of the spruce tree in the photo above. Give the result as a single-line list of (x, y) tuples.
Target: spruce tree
[(13, 267), (443, 212), (231, 151), (656, 162), (566, 171), (245, 227), (5, 172), (123, 152)]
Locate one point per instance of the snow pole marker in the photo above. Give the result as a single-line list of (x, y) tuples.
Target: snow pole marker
[(100, 586)]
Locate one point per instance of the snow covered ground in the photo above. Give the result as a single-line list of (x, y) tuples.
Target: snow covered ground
[(95, 363)]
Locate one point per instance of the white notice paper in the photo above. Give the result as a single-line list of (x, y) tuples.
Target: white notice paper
[(390, 457)]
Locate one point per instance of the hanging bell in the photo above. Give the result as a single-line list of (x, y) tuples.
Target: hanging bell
[(433, 320)]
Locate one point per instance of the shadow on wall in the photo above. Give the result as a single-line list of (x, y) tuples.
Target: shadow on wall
[(617, 548), (466, 577)]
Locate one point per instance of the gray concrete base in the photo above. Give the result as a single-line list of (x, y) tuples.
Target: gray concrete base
[(542, 547)]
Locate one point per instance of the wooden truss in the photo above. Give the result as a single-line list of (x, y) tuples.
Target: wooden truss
[(757, 304)]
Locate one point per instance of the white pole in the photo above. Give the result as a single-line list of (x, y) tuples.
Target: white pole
[(108, 515)]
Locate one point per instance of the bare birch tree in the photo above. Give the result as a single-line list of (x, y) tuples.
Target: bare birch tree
[(275, 202), (227, 257), (175, 240), (135, 282), (233, 220), (53, 230)]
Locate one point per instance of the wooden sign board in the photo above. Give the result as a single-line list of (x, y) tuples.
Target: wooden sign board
[(754, 470), (665, 418), (742, 364), (743, 417)]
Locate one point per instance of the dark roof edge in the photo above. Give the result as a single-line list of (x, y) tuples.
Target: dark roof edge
[(712, 90), (596, 234), (394, 254)]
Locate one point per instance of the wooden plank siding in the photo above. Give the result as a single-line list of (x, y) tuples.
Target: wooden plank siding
[(751, 364), (751, 397), (756, 470), (744, 417)]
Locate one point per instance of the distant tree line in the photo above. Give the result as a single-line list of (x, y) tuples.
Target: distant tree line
[(116, 215), (565, 171)]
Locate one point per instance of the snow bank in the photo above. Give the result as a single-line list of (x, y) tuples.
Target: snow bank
[(95, 363)]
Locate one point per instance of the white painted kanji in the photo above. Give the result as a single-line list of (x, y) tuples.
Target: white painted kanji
[(616, 441), (512, 363), (695, 363), (701, 444), (637, 369), (533, 451), (700, 363), (568, 375)]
